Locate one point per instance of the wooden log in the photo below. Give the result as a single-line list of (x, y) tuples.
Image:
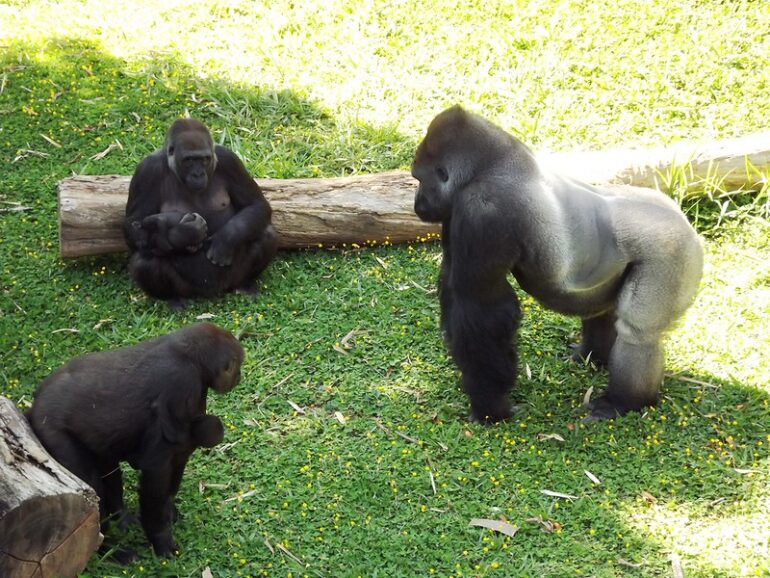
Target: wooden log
[(332, 211), (49, 518), (733, 163), (306, 212)]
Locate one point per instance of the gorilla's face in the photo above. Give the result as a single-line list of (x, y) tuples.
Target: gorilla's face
[(443, 163), (191, 156), (433, 200)]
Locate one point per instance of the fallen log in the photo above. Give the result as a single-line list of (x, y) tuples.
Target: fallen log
[(306, 212), (378, 207), (49, 519), (734, 163)]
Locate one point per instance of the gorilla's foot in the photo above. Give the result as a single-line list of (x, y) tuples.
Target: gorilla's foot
[(177, 304), (601, 409), (248, 288), (122, 556)]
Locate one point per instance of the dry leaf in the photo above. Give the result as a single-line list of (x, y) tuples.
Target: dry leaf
[(203, 486), (648, 497), (552, 436), (269, 545), (382, 263), (628, 564), (101, 323), (344, 342), (742, 471), (338, 349), (285, 550), (592, 477), (587, 396), (239, 496), (676, 565), (105, 152), (295, 407), (528, 371), (207, 573), (50, 141), (340, 417), (495, 525), (546, 525), (204, 316), (558, 495)]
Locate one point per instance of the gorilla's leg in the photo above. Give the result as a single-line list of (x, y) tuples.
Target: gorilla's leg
[(636, 372), (256, 259), (112, 480), (155, 510), (72, 456), (482, 345), (158, 277), (76, 459), (115, 508), (636, 360), (598, 336)]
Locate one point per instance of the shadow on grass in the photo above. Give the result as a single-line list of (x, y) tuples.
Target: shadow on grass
[(355, 498)]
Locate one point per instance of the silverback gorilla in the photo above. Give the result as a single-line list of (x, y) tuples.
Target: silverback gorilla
[(197, 225), (144, 404), (626, 262)]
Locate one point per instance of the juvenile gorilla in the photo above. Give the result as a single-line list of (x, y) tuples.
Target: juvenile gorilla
[(144, 404), (197, 225), (626, 262)]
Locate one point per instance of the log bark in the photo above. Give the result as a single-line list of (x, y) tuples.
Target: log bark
[(333, 211), (306, 212), (733, 163), (49, 518)]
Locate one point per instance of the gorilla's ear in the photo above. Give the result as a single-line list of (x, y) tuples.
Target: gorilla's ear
[(170, 150)]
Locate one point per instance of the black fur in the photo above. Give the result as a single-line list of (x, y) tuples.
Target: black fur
[(145, 405), (626, 261), (197, 225)]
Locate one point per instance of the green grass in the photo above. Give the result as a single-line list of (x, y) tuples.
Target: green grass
[(335, 88)]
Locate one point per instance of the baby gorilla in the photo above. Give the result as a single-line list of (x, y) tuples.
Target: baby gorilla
[(625, 261), (145, 405)]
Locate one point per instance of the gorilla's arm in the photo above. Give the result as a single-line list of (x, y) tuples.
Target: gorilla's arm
[(482, 311), (252, 211), (143, 200), (145, 228), (444, 288)]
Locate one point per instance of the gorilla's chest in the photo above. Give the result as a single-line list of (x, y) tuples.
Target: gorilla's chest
[(214, 205)]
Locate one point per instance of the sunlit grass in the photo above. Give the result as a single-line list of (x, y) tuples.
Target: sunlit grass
[(379, 472)]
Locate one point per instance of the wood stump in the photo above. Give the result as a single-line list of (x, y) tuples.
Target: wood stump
[(49, 518)]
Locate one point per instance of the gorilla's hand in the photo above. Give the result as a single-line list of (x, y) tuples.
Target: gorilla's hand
[(220, 251)]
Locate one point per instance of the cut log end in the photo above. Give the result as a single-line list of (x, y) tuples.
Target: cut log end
[(49, 519)]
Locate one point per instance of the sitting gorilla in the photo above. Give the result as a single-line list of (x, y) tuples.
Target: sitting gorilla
[(144, 404), (626, 261), (197, 225)]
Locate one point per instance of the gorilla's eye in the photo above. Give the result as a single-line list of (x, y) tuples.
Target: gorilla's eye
[(442, 174)]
